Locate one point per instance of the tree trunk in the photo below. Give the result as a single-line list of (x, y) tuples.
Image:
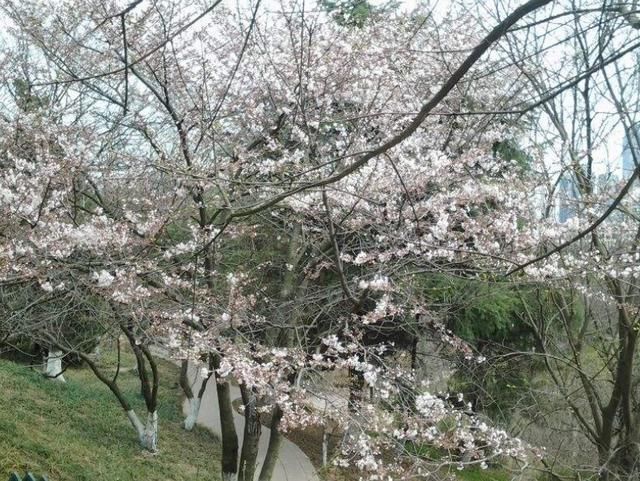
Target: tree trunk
[(603, 461), (356, 383), (137, 425), (151, 432), (252, 431), (627, 457), (148, 386), (53, 367), (147, 433), (414, 353), (325, 446), (275, 440), (227, 428), (194, 404), (194, 411)]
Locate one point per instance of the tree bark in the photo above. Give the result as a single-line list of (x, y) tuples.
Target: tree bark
[(275, 440), (147, 434), (193, 413), (151, 432), (325, 447), (356, 383), (194, 405), (252, 431), (227, 427), (137, 425)]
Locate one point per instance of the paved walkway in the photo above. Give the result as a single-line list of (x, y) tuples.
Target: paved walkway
[(293, 464)]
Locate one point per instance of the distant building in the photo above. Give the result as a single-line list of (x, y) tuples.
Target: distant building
[(567, 196)]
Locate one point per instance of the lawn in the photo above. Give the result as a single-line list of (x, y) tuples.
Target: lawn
[(78, 432)]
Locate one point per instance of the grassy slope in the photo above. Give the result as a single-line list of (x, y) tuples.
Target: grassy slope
[(77, 431)]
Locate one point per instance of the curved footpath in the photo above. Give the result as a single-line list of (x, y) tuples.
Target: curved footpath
[(293, 464)]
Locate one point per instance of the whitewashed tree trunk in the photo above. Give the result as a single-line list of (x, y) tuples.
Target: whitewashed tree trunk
[(192, 416), (325, 447), (147, 433), (53, 367), (137, 425), (151, 432), (229, 476)]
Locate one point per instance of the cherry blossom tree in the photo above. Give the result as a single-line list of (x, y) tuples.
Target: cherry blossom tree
[(586, 337), (187, 137)]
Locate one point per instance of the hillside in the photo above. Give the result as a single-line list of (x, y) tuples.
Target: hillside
[(76, 431)]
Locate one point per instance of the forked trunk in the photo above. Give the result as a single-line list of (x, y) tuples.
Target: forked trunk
[(194, 402), (147, 433), (194, 411)]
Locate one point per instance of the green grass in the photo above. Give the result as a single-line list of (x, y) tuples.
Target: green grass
[(78, 432), (478, 474), (469, 473)]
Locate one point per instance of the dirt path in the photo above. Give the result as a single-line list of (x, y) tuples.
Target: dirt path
[(293, 464)]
